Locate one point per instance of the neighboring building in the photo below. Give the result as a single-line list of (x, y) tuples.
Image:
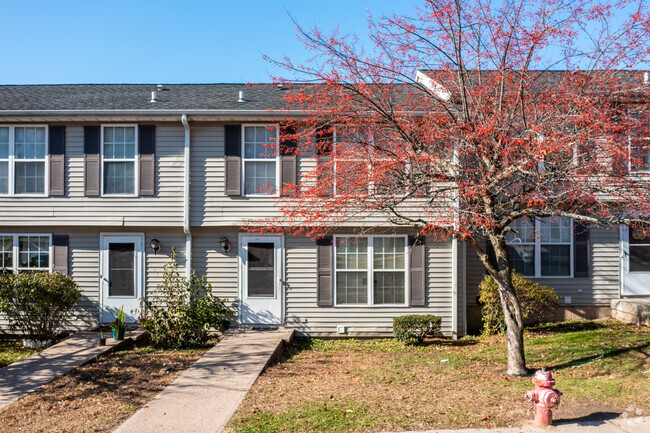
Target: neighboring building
[(93, 177)]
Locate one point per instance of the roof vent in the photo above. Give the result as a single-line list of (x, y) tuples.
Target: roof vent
[(241, 96), (161, 87), (154, 96)]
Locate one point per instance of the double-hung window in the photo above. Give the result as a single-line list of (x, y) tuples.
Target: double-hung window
[(542, 247), (260, 161), (119, 150), (639, 149), (25, 252), (370, 270), (23, 155), (352, 162)]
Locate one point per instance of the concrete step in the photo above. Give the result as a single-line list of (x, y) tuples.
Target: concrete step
[(632, 310)]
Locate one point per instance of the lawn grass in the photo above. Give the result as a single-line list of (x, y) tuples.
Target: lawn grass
[(382, 385), (11, 351)]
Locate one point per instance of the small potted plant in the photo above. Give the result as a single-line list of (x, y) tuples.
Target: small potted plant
[(117, 325), (102, 339)]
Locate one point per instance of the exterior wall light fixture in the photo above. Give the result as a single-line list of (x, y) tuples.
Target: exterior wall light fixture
[(225, 244), (155, 245)]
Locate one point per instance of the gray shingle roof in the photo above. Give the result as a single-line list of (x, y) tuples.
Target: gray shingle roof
[(99, 97)]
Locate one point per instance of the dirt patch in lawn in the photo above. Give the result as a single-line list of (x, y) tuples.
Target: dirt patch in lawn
[(99, 396), (381, 385)]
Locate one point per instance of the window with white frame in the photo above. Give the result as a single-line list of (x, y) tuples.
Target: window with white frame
[(119, 150), (260, 159), (370, 270), (23, 154), (25, 252), (639, 149), (542, 247), (351, 162)]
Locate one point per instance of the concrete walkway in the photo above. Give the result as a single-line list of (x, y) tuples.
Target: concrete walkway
[(25, 376), (205, 396), (618, 425)]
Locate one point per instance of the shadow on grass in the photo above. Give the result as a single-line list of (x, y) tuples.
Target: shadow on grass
[(566, 327), (299, 344), (596, 418), (449, 342), (603, 355)]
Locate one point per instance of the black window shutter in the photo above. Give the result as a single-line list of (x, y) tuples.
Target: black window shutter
[(57, 160), (417, 269), (325, 272), (288, 158), (233, 159), (60, 246), (324, 140), (147, 157), (92, 167), (581, 250)]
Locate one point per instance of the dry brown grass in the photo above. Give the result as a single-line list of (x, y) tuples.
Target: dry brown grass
[(380, 385)]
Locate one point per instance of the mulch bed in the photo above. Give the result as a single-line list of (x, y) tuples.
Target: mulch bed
[(98, 396)]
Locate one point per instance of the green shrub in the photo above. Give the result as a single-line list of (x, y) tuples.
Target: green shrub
[(537, 302), (412, 328), (38, 303), (182, 312)]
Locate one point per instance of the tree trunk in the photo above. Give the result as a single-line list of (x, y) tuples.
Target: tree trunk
[(514, 326)]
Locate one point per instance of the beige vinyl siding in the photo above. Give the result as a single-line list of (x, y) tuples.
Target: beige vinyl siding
[(74, 209), (155, 262), (474, 273), (598, 290), (83, 266), (301, 295), (210, 206), (220, 268)]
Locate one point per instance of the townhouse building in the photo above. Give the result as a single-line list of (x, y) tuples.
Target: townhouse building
[(102, 182)]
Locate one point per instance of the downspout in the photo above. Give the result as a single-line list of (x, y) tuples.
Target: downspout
[(464, 298), (454, 263), (186, 199), (454, 288)]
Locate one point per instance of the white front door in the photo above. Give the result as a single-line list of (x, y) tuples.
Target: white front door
[(121, 275), (635, 263), (260, 259)]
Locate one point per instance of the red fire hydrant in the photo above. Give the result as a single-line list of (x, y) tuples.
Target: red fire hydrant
[(544, 397)]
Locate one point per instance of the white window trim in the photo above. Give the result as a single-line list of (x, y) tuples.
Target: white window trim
[(276, 160), (629, 157), (537, 243), (16, 252), (336, 158), (11, 190), (370, 272), (135, 159)]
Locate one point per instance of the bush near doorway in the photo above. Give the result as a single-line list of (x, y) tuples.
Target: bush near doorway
[(37, 304), (182, 312)]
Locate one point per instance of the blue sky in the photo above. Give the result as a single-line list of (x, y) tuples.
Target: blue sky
[(164, 41)]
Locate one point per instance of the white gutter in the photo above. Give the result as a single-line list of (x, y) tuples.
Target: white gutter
[(186, 199)]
